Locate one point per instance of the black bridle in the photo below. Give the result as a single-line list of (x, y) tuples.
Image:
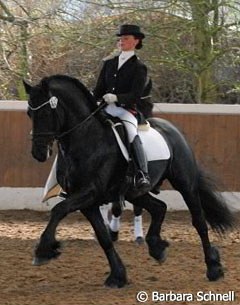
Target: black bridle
[(53, 102)]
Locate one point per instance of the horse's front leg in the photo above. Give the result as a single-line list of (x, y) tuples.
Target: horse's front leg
[(48, 246), (117, 277)]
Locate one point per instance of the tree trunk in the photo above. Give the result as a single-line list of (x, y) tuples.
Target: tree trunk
[(23, 61), (204, 36)]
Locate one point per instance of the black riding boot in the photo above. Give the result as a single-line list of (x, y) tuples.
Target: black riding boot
[(142, 180)]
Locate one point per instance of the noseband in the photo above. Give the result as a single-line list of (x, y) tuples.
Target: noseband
[(53, 102)]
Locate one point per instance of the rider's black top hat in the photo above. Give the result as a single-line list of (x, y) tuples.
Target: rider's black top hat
[(130, 29)]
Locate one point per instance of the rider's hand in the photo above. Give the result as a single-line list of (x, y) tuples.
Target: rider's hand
[(110, 98)]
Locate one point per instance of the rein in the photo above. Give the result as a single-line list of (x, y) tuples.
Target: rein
[(53, 102), (101, 106)]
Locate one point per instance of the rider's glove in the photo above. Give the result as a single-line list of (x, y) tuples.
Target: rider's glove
[(110, 98)]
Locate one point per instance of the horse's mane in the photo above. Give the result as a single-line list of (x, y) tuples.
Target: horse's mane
[(76, 82)]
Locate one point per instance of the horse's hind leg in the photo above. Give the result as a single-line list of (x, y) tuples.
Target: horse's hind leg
[(138, 228), (117, 277), (157, 209), (212, 257), (114, 225)]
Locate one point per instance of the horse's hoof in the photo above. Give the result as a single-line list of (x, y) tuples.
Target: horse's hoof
[(113, 282), (215, 273), (42, 260), (139, 240), (38, 261), (159, 251), (162, 258), (159, 256)]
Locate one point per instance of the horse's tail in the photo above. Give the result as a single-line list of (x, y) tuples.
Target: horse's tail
[(216, 211)]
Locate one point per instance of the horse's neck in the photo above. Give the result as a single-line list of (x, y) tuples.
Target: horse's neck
[(85, 146), (75, 102), (82, 127), (76, 111)]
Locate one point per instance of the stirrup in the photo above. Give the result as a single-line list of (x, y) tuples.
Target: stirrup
[(141, 180), (63, 195)]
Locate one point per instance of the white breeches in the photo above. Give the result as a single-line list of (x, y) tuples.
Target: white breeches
[(128, 119)]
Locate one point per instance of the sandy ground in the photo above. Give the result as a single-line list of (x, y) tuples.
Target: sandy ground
[(78, 275)]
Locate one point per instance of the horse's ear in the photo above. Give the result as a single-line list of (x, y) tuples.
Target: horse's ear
[(44, 84), (27, 87)]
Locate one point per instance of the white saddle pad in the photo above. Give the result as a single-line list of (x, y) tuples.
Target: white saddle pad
[(154, 144)]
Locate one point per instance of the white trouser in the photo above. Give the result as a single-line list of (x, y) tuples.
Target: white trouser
[(128, 119)]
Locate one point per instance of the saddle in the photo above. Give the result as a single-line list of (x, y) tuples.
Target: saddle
[(107, 118)]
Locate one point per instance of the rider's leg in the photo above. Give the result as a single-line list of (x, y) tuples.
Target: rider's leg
[(142, 180)]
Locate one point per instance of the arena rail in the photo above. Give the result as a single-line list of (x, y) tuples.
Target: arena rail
[(212, 130)]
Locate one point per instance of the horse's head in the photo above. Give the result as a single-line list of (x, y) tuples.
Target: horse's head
[(42, 109), (58, 106)]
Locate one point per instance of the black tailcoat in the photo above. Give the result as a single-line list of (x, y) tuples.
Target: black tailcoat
[(127, 83)]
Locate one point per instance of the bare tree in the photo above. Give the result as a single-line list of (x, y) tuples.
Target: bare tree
[(188, 47), (18, 18)]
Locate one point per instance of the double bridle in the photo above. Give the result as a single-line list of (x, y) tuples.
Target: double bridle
[(53, 102)]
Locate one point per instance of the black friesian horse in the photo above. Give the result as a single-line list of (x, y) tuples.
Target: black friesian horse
[(62, 109)]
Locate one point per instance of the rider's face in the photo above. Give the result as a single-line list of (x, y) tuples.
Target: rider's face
[(127, 42)]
